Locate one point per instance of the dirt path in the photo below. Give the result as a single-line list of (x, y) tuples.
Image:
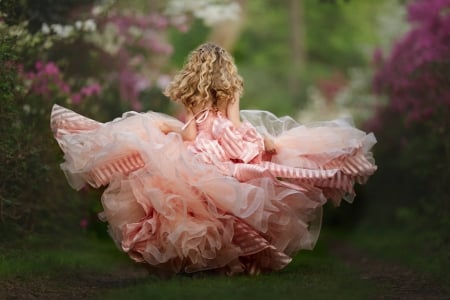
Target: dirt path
[(70, 286), (394, 281)]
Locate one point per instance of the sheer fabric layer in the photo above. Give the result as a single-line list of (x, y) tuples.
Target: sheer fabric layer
[(217, 202)]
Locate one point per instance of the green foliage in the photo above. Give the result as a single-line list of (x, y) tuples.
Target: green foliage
[(184, 43), (15, 153), (410, 189), (338, 35), (262, 55), (414, 130), (8, 74), (32, 190), (39, 12)]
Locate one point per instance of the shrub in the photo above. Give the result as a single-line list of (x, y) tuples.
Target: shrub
[(414, 128)]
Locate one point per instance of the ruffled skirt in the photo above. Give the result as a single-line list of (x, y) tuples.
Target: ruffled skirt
[(167, 207)]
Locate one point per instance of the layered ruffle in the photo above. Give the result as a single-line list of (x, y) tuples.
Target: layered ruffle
[(213, 203), (330, 155)]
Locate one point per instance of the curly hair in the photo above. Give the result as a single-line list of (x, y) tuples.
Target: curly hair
[(208, 78)]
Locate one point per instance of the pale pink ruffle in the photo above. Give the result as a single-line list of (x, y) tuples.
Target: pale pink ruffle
[(213, 203)]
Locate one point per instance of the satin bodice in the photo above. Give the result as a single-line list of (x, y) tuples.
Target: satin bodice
[(218, 140)]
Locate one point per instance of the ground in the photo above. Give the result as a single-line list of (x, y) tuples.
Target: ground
[(70, 285), (395, 281), (357, 275)]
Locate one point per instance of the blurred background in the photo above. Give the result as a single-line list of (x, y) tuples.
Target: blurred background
[(384, 63)]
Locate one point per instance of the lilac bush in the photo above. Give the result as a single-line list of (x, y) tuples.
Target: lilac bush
[(47, 80), (413, 128), (141, 54), (416, 73), (101, 51)]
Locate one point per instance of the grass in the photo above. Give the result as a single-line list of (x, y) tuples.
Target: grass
[(424, 251), (276, 286), (39, 256), (95, 264), (312, 275)]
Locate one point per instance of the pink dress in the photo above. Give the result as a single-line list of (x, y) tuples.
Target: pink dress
[(219, 202)]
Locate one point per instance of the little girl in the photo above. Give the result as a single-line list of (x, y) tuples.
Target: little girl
[(217, 192)]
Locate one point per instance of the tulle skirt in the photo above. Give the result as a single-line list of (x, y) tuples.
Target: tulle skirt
[(167, 207)]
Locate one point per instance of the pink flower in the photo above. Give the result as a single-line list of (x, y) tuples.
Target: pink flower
[(412, 76), (84, 223), (136, 105), (377, 58), (76, 98), (39, 65), (51, 69), (90, 90), (163, 81), (131, 84), (64, 87)]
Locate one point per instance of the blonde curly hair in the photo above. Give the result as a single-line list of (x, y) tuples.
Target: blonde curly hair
[(209, 78)]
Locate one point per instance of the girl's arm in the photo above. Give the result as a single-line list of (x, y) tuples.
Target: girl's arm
[(233, 112), (188, 133), (269, 145)]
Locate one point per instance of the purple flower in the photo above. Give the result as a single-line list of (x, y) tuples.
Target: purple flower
[(86, 92), (75, 98), (84, 223), (64, 87), (39, 65), (50, 69), (412, 74), (48, 81), (131, 85), (426, 10), (90, 90), (377, 58)]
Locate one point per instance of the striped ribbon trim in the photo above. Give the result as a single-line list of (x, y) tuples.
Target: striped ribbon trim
[(343, 176), (235, 145), (357, 165), (103, 174), (292, 172), (248, 171), (339, 181), (212, 149), (63, 120), (258, 253)]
